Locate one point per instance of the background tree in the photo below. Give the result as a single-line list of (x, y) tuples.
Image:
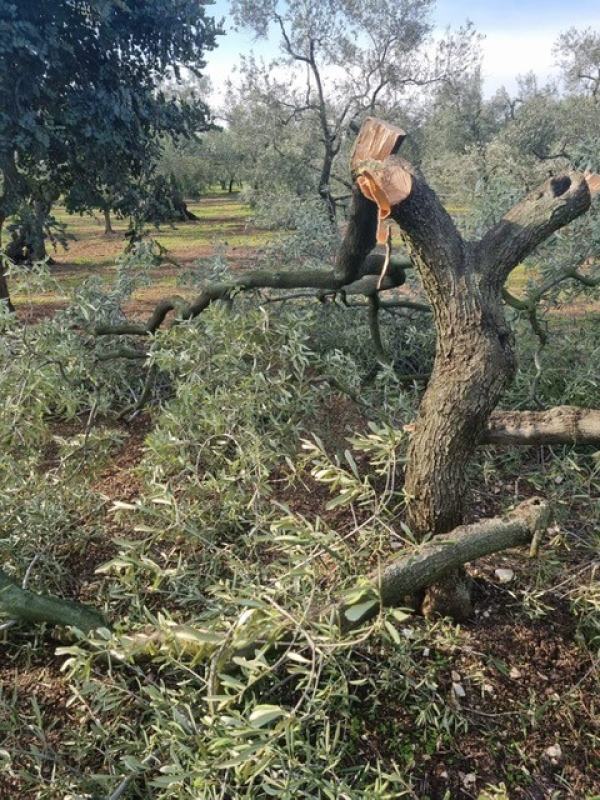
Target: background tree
[(82, 82), (340, 61), (578, 54)]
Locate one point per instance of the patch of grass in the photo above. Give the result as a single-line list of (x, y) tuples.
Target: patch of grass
[(224, 224)]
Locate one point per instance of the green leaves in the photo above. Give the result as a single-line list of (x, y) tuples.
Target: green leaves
[(88, 109)]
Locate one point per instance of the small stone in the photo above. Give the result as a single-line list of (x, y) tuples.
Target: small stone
[(458, 690), (504, 575), (554, 753), (469, 780), (488, 688), (514, 673), (455, 676)]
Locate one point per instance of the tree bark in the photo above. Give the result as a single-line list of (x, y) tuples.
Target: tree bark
[(366, 281), (26, 606), (395, 582), (475, 359), (559, 425), (108, 228)]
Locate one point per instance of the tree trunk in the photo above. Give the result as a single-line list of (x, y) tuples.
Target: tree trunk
[(4, 293), (28, 244), (475, 359), (108, 228)]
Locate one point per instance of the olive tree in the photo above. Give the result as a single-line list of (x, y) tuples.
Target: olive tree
[(340, 61), (83, 100)]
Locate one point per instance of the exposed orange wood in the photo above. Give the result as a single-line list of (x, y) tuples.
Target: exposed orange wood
[(375, 142), (593, 181)]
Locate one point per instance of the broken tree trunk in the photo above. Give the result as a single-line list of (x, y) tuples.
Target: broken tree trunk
[(475, 358), (26, 606)]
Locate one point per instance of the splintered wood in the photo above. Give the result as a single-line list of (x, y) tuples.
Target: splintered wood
[(376, 141), (593, 181), (385, 184)]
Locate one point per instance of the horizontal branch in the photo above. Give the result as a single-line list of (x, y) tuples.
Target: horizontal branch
[(559, 425), (365, 283), (27, 606), (411, 573)]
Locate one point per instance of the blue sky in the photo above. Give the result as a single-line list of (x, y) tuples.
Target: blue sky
[(519, 35)]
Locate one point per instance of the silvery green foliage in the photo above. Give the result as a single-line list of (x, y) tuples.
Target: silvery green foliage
[(307, 239), (339, 62)]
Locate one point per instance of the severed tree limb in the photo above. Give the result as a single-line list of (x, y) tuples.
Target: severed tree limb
[(560, 200), (388, 586), (365, 283), (391, 584), (559, 425), (27, 606)]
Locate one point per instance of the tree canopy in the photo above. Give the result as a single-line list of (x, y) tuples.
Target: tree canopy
[(340, 61), (82, 92)]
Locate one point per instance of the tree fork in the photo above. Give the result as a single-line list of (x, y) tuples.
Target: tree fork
[(475, 359)]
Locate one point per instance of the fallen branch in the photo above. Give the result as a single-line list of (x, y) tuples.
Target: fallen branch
[(390, 585), (409, 574), (559, 425), (27, 606), (366, 282)]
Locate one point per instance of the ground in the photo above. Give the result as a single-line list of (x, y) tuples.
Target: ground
[(521, 686)]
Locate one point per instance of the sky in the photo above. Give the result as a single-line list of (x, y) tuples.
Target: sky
[(519, 35)]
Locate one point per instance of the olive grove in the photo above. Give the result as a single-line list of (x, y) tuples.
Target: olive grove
[(475, 358), (84, 104), (252, 503)]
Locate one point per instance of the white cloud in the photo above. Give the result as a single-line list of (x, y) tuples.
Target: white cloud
[(507, 54)]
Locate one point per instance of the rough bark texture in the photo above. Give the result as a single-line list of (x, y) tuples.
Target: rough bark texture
[(364, 280), (560, 425), (475, 358), (441, 557)]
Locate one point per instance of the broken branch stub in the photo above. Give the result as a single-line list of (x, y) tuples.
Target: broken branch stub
[(376, 141), (593, 182), (387, 184)]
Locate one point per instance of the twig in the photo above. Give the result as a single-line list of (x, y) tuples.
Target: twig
[(123, 786)]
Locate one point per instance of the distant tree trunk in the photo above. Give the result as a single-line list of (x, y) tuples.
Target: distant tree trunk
[(108, 228), (475, 359), (4, 293), (231, 182), (28, 244)]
